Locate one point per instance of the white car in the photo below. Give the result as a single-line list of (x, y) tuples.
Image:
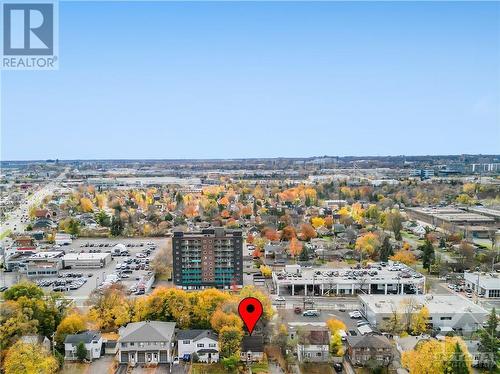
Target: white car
[(355, 314), (280, 299)]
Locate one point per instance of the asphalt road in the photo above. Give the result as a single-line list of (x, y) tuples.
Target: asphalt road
[(14, 222)]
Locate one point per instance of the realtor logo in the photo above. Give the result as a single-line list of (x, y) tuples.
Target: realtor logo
[(29, 36)]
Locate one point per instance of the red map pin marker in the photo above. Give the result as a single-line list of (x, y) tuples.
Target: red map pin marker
[(250, 311)]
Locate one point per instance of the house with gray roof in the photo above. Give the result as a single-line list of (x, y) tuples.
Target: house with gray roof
[(362, 349), (92, 340), (147, 342), (203, 343)]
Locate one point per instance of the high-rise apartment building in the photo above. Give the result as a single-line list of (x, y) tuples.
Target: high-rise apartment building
[(208, 258)]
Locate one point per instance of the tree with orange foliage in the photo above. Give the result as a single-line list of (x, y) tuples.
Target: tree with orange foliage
[(256, 253), (405, 257), (288, 233), (295, 247), (250, 238), (307, 232), (191, 210), (329, 222), (271, 234)]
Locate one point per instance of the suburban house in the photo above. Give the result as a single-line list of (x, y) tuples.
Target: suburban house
[(37, 339), (313, 344), (204, 343), (150, 342), (92, 341), (252, 348), (361, 349)]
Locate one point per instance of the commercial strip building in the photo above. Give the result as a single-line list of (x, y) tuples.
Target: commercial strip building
[(454, 219), (208, 258), (446, 312), (486, 284), (398, 279), (44, 264), (86, 260)]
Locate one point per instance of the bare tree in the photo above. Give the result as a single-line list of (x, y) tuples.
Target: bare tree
[(162, 261)]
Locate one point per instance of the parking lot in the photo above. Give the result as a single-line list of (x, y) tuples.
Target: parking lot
[(297, 319), (80, 282)]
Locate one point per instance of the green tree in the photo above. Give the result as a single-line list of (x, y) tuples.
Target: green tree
[(442, 243), (23, 288), (73, 227), (231, 363), (102, 218), (394, 222), (230, 340), (489, 339), (116, 226), (81, 351), (428, 254), (386, 250), (457, 363)]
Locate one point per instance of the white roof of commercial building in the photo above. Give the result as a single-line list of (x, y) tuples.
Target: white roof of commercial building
[(60, 235), (486, 281), (310, 276), (436, 304), (44, 255), (85, 256)]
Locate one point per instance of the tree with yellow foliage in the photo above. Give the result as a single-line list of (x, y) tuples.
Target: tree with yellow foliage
[(221, 319), (334, 325), (368, 243), (71, 324), (317, 222), (436, 357), (266, 271), (230, 341), (251, 291), (419, 321), (165, 304), (29, 358), (204, 304), (110, 309), (405, 257)]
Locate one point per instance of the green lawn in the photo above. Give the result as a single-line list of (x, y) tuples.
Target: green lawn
[(209, 369), (260, 367), (316, 368)]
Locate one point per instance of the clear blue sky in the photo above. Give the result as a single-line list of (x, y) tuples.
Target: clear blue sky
[(222, 80)]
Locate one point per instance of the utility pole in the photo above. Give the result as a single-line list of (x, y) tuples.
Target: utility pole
[(53, 343)]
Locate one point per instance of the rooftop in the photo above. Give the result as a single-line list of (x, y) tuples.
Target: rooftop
[(147, 331), (85, 256), (488, 281), (450, 304)]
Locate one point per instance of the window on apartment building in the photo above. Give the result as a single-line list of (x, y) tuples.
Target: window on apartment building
[(212, 345), (200, 345), (186, 341), (445, 318), (319, 354), (494, 293)]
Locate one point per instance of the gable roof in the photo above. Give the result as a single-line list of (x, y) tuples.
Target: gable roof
[(315, 336), (252, 343), (196, 335), (369, 341), (147, 331), (85, 337)]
